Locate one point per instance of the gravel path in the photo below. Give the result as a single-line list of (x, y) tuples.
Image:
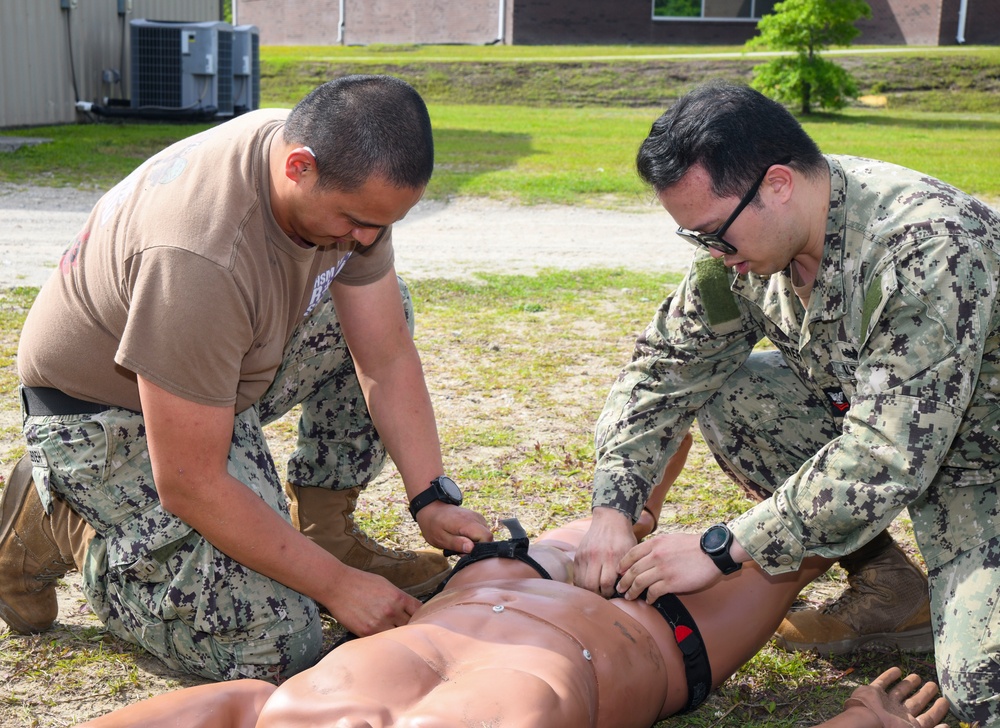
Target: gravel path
[(437, 239)]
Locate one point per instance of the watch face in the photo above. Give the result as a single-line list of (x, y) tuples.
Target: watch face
[(714, 539), (450, 489)]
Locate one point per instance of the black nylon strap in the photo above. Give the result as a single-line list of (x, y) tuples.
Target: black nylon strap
[(696, 666), (515, 548)]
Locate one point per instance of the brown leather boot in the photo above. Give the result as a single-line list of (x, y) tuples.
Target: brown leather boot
[(326, 517), (886, 605), (30, 559)]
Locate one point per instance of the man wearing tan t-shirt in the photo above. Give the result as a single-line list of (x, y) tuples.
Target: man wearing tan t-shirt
[(238, 273)]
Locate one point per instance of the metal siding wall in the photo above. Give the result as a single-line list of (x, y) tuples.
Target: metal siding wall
[(32, 57), (36, 83)]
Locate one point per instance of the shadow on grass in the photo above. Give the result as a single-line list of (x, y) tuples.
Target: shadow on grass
[(462, 155)]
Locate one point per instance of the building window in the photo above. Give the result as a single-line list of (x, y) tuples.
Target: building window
[(712, 9)]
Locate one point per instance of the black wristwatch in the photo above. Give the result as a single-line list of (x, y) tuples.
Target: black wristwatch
[(442, 489), (716, 542)]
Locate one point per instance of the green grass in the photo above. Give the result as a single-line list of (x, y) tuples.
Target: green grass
[(959, 148), (403, 53), (89, 155), (550, 155)]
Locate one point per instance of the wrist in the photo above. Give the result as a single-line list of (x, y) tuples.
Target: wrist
[(739, 553), (857, 715), (608, 516)]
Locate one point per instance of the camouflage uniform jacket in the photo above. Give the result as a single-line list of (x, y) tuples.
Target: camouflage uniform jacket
[(903, 320)]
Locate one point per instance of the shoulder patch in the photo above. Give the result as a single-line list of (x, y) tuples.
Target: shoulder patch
[(713, 285), (872, 299)]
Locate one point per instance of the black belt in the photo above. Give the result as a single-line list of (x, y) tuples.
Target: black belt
[(48, 402)]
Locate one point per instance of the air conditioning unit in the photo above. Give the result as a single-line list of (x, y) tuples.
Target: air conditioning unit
[(182, 66), (246, 68)]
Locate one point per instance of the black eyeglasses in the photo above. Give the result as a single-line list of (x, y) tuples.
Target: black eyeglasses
[(714, 240)]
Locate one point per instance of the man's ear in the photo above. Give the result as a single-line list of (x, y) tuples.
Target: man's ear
[(780, 181), (300, 162)]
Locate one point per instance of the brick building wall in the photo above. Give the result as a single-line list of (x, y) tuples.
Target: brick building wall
[(982, 23), (544, 22), (903, 21), (317, 22), (422, 21), (291, 22)]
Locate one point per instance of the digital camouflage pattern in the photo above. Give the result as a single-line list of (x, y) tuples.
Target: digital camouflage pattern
[(155, 582), (899, 349)]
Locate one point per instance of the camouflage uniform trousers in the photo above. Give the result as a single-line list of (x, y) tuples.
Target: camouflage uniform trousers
[(157, 583), (764, 424)]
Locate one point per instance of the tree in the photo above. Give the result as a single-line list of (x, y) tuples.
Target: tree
[(807, 27)]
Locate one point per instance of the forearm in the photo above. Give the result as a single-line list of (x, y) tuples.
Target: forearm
[(401, 410)]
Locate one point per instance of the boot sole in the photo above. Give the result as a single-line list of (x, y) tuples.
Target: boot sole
[(913, 640), (16, 624)]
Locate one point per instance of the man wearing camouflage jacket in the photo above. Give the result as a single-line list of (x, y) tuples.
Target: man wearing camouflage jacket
[(877, 287)]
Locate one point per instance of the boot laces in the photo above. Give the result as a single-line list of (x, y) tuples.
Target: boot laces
[(50, 574), (857, 592)]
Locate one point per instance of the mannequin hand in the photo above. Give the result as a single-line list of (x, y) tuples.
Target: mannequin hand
[(905, 705)]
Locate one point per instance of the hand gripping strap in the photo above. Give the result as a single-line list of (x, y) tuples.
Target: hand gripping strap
[(516, 547)]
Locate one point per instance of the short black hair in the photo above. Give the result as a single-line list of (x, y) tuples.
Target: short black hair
[(731, 130), (363, 126)]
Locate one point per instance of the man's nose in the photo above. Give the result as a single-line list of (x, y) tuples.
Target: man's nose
[(365, 236)]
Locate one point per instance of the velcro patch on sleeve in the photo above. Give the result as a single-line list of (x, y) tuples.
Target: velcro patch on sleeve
[(713, 285)]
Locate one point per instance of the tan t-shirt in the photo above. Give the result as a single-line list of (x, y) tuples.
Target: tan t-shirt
[(182, 274)]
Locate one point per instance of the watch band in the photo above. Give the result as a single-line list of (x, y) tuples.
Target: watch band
[(422, 499), (718, 550), (437, 491)]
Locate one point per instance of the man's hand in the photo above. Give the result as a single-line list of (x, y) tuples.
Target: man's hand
[(366, 603), (452, 527), (672, 563), (595, 566)]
